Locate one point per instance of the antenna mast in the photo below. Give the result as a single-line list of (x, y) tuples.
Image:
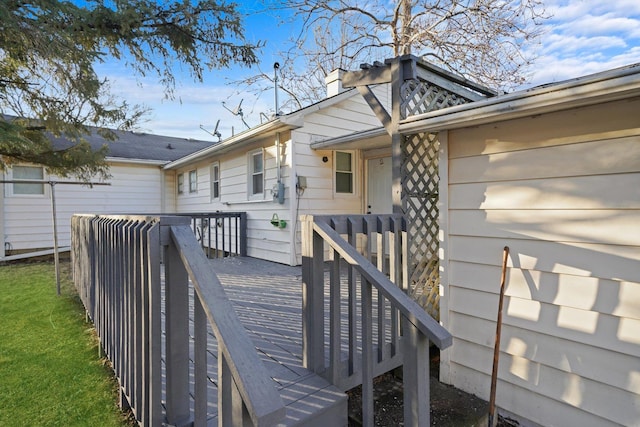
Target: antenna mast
[(276, 66)]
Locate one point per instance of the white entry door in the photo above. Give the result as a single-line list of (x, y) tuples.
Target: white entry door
[(379, 186)]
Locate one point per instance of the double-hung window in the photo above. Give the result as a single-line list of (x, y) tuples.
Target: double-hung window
[(256, 174), (215, 181), (28, 173), (193, 181), (344, 168)]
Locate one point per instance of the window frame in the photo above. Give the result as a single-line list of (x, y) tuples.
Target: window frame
[(213, 180), (193, 181), (12, 187), (352, 172), (180, 183), (251, 174)]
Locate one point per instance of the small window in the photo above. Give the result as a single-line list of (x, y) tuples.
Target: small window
[(193, 181), (344, 172), (256, 173), (35, 173), (181, 183), (215, 181)]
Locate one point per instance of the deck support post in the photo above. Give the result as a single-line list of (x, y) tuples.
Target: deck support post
[(416, 376)]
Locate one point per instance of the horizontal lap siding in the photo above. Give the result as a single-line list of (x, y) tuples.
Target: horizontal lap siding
[(263, 239), (563, 192), (28, 220)]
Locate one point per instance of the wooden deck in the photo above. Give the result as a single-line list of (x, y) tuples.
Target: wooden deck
[(268, 299)]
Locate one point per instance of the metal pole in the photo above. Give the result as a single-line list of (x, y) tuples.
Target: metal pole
[(56, 257), (496, 348)]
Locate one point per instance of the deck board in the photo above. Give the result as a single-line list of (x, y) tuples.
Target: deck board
[(268, 300)]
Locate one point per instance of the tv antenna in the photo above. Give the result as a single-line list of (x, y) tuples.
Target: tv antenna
[(237, 112), (215, 132)]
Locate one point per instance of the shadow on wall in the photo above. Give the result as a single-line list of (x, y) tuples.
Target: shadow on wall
[(572, 310)]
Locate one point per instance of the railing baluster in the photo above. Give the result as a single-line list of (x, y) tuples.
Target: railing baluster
[(352, 301), (335, 336), (154, 316), (117, 272), (393, 308), (200, 361), (367, 356)]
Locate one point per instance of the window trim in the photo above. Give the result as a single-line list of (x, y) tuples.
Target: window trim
[(352, 172), (251, 194), (193, 184), (11, 188), (213, 181), (180, 183)]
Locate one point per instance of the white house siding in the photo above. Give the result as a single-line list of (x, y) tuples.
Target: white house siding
[(28, 222), (562, 190), (319, 198), (263, 239)]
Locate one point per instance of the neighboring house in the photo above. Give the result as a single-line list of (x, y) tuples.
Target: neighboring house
[(137, 186), (554, 174), (271, 172)]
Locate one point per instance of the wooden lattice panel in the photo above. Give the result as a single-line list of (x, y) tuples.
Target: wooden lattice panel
[(420, 207), (421, 97)]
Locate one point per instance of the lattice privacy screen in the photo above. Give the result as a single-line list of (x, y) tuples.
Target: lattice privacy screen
[(420, 191)]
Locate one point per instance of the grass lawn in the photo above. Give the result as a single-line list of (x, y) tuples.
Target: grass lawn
[(50, 373)]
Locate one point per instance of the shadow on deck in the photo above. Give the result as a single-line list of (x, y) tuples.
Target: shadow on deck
[(268, 300)]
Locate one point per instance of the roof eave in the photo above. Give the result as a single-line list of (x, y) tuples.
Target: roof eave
[(602, 87)]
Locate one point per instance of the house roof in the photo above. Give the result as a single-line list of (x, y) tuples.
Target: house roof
[(281, 123), (596, 88), (142, 147)]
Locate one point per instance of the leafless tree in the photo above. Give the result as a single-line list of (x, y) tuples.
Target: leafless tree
[(489, 41)]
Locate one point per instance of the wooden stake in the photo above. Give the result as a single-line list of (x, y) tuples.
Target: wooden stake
[(496, 348)]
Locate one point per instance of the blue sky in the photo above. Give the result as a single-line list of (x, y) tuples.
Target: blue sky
[(582, 37)]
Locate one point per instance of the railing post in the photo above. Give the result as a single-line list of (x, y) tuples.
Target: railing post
[(243, 234), (177, 330), (415, 373), (312, 297)]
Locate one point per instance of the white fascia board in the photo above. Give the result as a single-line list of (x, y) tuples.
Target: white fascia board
[(354, 137), (231, 143), (148, 162), (286, 121), (603, 87)]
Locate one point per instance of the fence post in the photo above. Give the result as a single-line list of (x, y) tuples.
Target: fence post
[(177, 330)]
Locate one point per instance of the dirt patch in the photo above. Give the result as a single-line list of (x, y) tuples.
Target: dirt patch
[(450, 407)]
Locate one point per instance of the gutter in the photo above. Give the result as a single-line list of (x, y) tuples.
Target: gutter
[(602, 87), (136, 161)]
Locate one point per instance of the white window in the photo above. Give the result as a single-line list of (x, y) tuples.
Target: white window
[(344, 166), (181, 183), (215, 181), (28, 173), (256, 174), (193, 181)]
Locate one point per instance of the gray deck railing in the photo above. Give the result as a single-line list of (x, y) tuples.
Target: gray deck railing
[(220, 234), (116, 268), (385, 329)]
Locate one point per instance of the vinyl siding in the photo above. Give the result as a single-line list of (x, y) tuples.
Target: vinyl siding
[(562, 191), (263, 239), (28, 220)]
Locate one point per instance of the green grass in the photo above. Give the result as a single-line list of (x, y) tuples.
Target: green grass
[(50, 373)]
